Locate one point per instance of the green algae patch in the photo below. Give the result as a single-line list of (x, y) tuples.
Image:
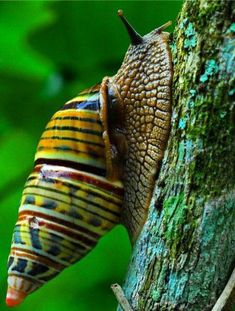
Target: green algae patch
[(175, 212), (155, 295)]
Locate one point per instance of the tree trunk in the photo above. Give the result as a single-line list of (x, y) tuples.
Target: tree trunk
[(186, 251)]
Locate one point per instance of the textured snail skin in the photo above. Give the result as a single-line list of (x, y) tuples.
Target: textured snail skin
[(144, 86), (95, 166)]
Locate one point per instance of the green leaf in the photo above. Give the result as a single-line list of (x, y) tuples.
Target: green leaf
[(16, 158), (17, 21)]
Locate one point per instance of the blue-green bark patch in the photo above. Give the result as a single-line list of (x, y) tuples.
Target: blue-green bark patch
[(189, 147), (186, 149), (191, 38), (192, 92), (181, 150), (210, 69), (183, 23), (228, 56), (231, 92), (182, 123), (231, 29)]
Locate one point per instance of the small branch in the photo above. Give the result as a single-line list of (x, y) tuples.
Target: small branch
[(121, 298), (227, 295)]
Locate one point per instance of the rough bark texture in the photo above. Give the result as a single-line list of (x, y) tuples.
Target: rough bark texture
[(186, 250)]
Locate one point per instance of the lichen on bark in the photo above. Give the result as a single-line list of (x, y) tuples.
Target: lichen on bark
[(186, 250)]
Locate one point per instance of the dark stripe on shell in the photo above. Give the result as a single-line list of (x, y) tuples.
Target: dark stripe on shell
[(60, 221), (74, 129)]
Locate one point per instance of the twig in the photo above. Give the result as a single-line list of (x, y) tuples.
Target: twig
[(227, 294), (121, 298)]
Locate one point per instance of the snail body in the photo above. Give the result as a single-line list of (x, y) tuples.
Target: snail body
[(95, 166)]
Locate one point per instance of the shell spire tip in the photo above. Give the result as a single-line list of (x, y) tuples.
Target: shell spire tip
[(14, 297)]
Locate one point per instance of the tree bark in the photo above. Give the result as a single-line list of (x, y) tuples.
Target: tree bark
[(185, 253)]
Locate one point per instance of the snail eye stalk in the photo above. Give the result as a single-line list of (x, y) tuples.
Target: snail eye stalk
[(134, 36)]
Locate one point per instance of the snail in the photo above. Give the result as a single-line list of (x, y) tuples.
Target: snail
[(95, 166)]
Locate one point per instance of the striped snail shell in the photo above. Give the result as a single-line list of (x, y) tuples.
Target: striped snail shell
[(95, 166)]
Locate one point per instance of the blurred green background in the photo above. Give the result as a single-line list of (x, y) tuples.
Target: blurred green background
[(49, 51)]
